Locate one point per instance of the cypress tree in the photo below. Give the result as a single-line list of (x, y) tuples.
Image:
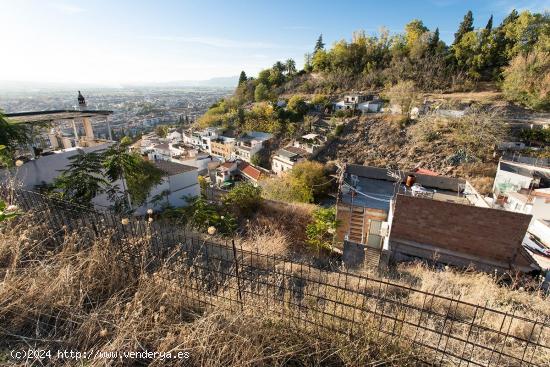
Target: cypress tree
[(489, 25), (242, 77), (319, 45), (434, 40), (466, 26)]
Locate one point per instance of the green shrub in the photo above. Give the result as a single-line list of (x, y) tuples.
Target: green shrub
[(320, 231), (243, 199)]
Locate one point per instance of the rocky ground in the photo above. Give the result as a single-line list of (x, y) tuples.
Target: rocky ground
[(380, 140)]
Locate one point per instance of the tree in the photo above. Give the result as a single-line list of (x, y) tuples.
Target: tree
[(527, 80), (161, 131), (320, 61), (276, 76), (285, 189), (466, 26), (201, 215), (242, 78), (82, 180), (261, 93), (308, 59), (256, 159), (263, 77), (489, 26), (413, 31), (320, 232), (433, 43), (137, 176), (12, 135), (297, 104), (279, 66), (310, 175), (290, 66), (403, 94), (126, 141), (243, 199), (468, 54), (319, 45)]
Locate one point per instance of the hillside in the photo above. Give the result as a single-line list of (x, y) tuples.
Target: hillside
[(381, 141), (108, 290), (502, 71)]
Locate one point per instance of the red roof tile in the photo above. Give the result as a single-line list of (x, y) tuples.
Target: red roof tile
[(424, 171), (251, 172)]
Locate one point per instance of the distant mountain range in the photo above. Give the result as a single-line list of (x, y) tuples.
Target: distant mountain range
[(18, 85)]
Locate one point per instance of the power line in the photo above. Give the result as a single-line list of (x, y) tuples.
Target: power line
[(365, 195)]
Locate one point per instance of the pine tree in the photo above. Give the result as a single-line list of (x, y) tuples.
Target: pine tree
[(489, 25), (319, 45), (242, 78), (434, 41), (466, 26)]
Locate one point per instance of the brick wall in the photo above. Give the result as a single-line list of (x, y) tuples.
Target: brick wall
[(486, 233)]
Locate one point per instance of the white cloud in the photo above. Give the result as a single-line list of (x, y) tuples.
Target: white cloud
[(68, 8)]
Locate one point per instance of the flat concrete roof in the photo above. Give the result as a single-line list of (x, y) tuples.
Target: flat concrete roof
[(54, 115), (376, 188), (172, 168)]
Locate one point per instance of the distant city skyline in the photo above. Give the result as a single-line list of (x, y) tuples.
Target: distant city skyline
[(110, 43)]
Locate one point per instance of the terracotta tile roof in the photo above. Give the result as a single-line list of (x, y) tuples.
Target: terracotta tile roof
[(424, 171), (251, 171)]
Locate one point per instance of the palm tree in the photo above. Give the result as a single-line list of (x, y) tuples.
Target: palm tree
[(279, 66), (290, 66)]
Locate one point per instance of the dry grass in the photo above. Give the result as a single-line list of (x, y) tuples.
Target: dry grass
[(98, 295)]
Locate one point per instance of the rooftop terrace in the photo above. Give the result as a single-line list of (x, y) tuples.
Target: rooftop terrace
[(374, 187)]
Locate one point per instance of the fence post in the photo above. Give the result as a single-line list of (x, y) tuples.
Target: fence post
[(237, 271)]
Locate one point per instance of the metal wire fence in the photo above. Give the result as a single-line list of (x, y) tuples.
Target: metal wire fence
[(444, 330)]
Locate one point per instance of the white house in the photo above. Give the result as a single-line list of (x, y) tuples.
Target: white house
[(44, 169), (285, 158), (353, 101), (164, 151), (201, 139), (535, 202), (174, 136), (370, 106), (310, 143), (250, 144), (179, 183), (514, 177)]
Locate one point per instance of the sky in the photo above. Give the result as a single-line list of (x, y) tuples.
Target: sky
[(112, 42)]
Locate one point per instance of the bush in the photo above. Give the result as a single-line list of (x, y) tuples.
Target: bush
[(320, 232), (200, 215), (311, 175), (527, 80), (297, 104), (243, 199), (338, 130), (286, 190)]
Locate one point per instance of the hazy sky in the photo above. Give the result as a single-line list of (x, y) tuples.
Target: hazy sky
[(119, 41)]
